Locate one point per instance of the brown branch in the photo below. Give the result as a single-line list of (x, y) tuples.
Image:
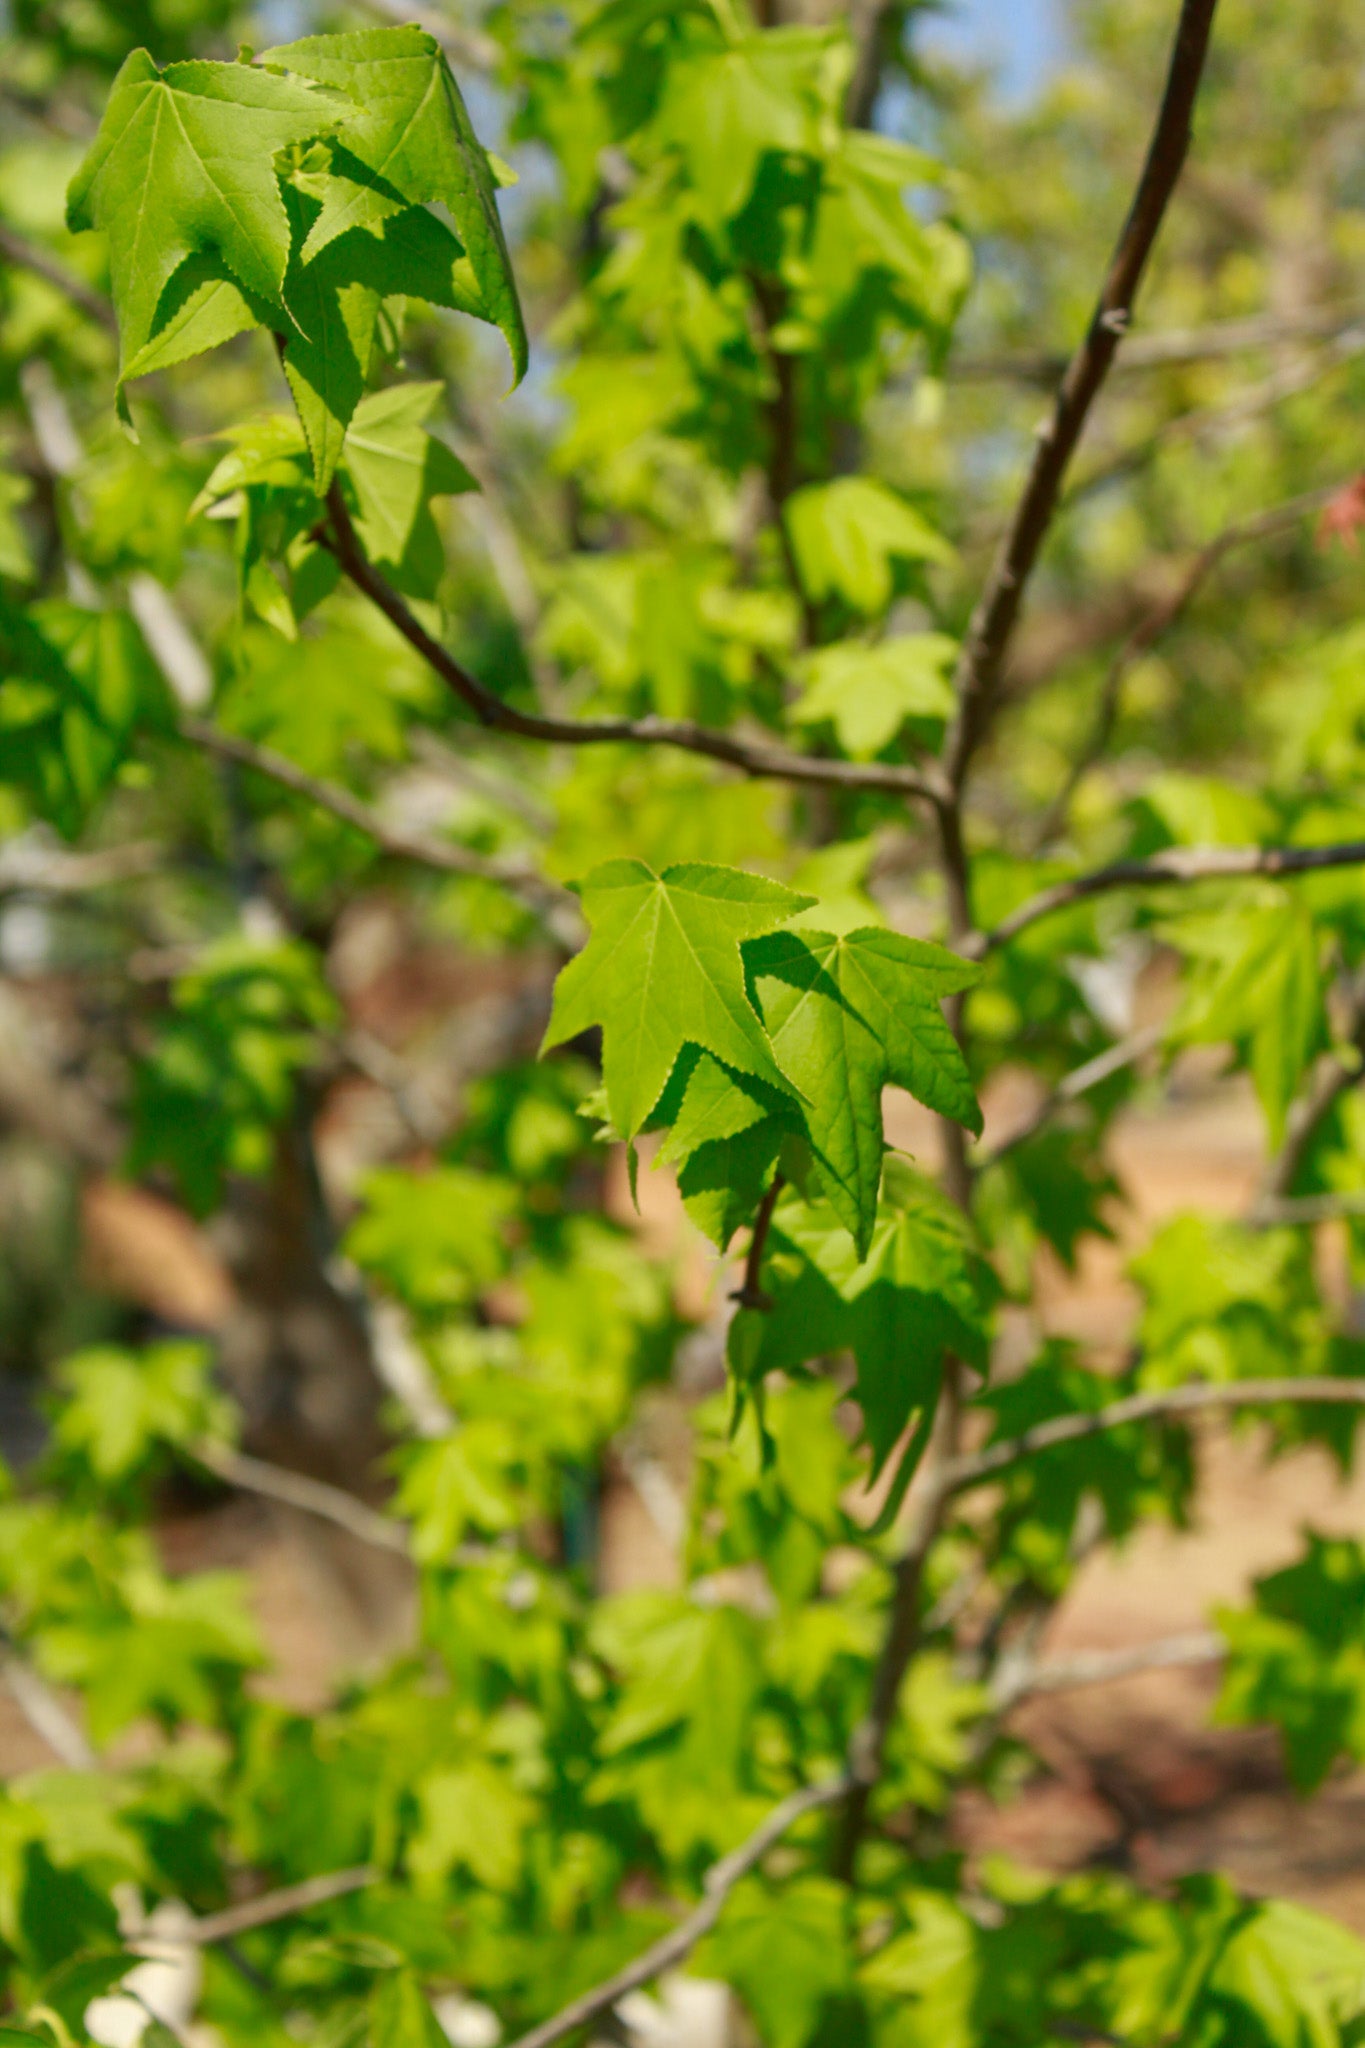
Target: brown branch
[(297, 1490), (749, 1294), (1158, 620), (25, 255), (751, 757), (1175, 865), (674, 1947), (977, 1467), (992, 625)]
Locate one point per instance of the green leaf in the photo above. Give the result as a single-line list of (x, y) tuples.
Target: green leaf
[(400, 2016), (847, 534), (475, 1817), (868, 693), (435, 1238), (78, 687), (725, 1138), (15, 560), (919, 1292), (413, 136), (395, 467), (789, 1955), (120, 1405), (184, 161), (662, 970), (1297, 1658), (845, 1017)]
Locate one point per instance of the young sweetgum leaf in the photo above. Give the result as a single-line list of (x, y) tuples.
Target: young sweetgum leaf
[(410, 141), (846, 1016), (662, 970), (184, 161)]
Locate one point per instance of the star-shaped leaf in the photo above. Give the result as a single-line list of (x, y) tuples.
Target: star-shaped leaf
[(410, 141), (724, 1138), (395, 468), (846, 1016), (868, 693), (920, 1291), (662, 970), (184, 161)]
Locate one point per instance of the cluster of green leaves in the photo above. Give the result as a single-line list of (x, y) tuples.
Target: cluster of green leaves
[(757, 500)]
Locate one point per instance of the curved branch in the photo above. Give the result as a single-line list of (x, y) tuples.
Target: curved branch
[(1177, 864), (297, 1490), (674, 1946), (979, 1466), (751, 757), (1099, 1667), (555, 905), (26, 255), (993, 622)]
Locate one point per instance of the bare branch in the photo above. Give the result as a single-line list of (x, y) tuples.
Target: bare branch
[(1330, 1081), (1272, 1214), (752, 757), (297, 1490), (1098, 1667), (1150, 629), (1175, 347), (988, 637), (43, 1710), (26, 255), (673, 1947), (555, 905), (1175, 865), (979, 1466), (1293, 377), (270, 1907), (1077, 1083)]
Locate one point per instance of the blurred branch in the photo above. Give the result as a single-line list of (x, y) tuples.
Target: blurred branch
[(1340, 1070), (1299, 375), (1175, 865), (267, 1909), (1112, 1061), (1276, 1214), (26, 255), (43, 1710), (979, 1466), (1098, 1667), (296, 1490), (1174, 348), (555, 905), (1150, 629), (675, 1946), (992, 624), (26, 863)]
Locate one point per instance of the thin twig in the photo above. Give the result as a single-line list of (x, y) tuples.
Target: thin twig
[(749, 1294), (1277, 1214), (1177, 346), (26, 255), (1150, 629), (993, 622), (675, 1946), (1174, 865), (1079, 1082), (752, 757), (979, 1466), (1331, 1078), (43, 1709), (1099, 1667), (270, 1907), (297, 1490)]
